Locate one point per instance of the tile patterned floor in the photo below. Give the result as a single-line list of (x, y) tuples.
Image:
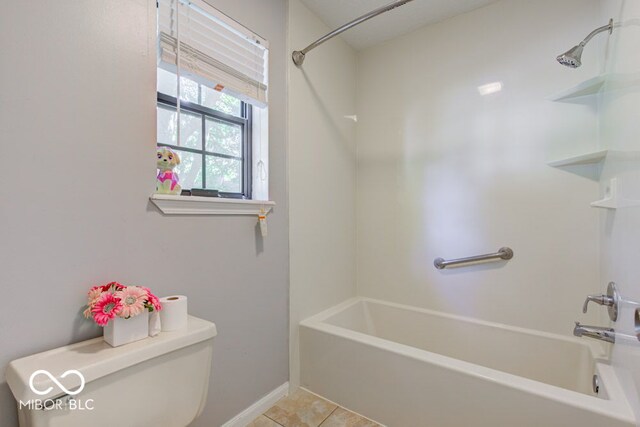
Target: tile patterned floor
[(304, 409)]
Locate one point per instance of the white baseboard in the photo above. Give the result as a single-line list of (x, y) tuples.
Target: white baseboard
[(258, 408)]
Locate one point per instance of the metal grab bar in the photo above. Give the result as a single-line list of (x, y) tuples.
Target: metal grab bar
[(503, 253)]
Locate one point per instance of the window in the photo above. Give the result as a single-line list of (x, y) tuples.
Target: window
[(215, 135), (212, 99)]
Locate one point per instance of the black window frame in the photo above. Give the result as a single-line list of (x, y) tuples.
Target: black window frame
[(245, 122)]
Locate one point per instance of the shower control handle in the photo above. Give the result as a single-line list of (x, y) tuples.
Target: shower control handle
[(598, 299), (609, 300)]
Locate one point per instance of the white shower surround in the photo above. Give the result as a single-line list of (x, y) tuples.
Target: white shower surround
[(443, 171), (404, 366)]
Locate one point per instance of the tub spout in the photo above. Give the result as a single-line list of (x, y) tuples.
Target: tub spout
[(596, 332)]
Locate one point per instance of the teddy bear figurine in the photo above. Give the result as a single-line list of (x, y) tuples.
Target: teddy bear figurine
[(167, 180)]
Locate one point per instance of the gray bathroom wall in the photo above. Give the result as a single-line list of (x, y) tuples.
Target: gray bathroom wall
[(77, 125)]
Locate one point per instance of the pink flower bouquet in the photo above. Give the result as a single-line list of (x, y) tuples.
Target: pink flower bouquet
[(113, 299)]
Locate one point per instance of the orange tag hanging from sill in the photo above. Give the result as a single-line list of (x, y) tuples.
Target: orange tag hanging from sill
[(219, 87), (262, 220)]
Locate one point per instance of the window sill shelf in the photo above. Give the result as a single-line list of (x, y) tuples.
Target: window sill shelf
[(193, 205)]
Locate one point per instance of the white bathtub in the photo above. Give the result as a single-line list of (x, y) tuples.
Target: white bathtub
[(408, 367)]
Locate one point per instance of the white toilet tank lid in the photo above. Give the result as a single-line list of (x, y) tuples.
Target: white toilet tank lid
[(95, 359)]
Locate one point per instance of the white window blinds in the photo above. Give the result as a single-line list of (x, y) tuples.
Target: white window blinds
[(215, 50)]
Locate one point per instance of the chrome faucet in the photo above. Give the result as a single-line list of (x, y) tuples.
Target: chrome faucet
[(595, 332)]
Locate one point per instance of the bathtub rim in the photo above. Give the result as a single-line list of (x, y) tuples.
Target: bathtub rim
[(613, 403)]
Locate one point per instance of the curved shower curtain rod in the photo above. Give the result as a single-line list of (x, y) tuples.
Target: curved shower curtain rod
[(298, 55)]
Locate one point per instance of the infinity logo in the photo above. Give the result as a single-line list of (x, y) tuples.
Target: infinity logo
[(60, 386)]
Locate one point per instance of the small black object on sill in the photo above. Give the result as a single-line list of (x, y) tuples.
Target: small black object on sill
[(203, 192)]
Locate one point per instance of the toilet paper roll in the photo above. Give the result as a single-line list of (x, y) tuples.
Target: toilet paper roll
[(173, 315)]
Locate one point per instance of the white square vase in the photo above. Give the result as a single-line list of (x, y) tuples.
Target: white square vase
[(121, 331)]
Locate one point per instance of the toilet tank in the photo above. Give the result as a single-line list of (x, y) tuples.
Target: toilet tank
[(159, 381)]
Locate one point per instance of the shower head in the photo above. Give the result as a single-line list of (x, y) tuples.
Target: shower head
[(572, 57)]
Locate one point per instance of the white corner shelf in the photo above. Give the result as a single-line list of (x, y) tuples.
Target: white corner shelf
[(615, 203), (194, 205), (607, 203), (587, 87), (583, 159), (605, 83), (612, 198)]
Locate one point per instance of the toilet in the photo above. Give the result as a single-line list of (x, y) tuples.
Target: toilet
[(159, 381)]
